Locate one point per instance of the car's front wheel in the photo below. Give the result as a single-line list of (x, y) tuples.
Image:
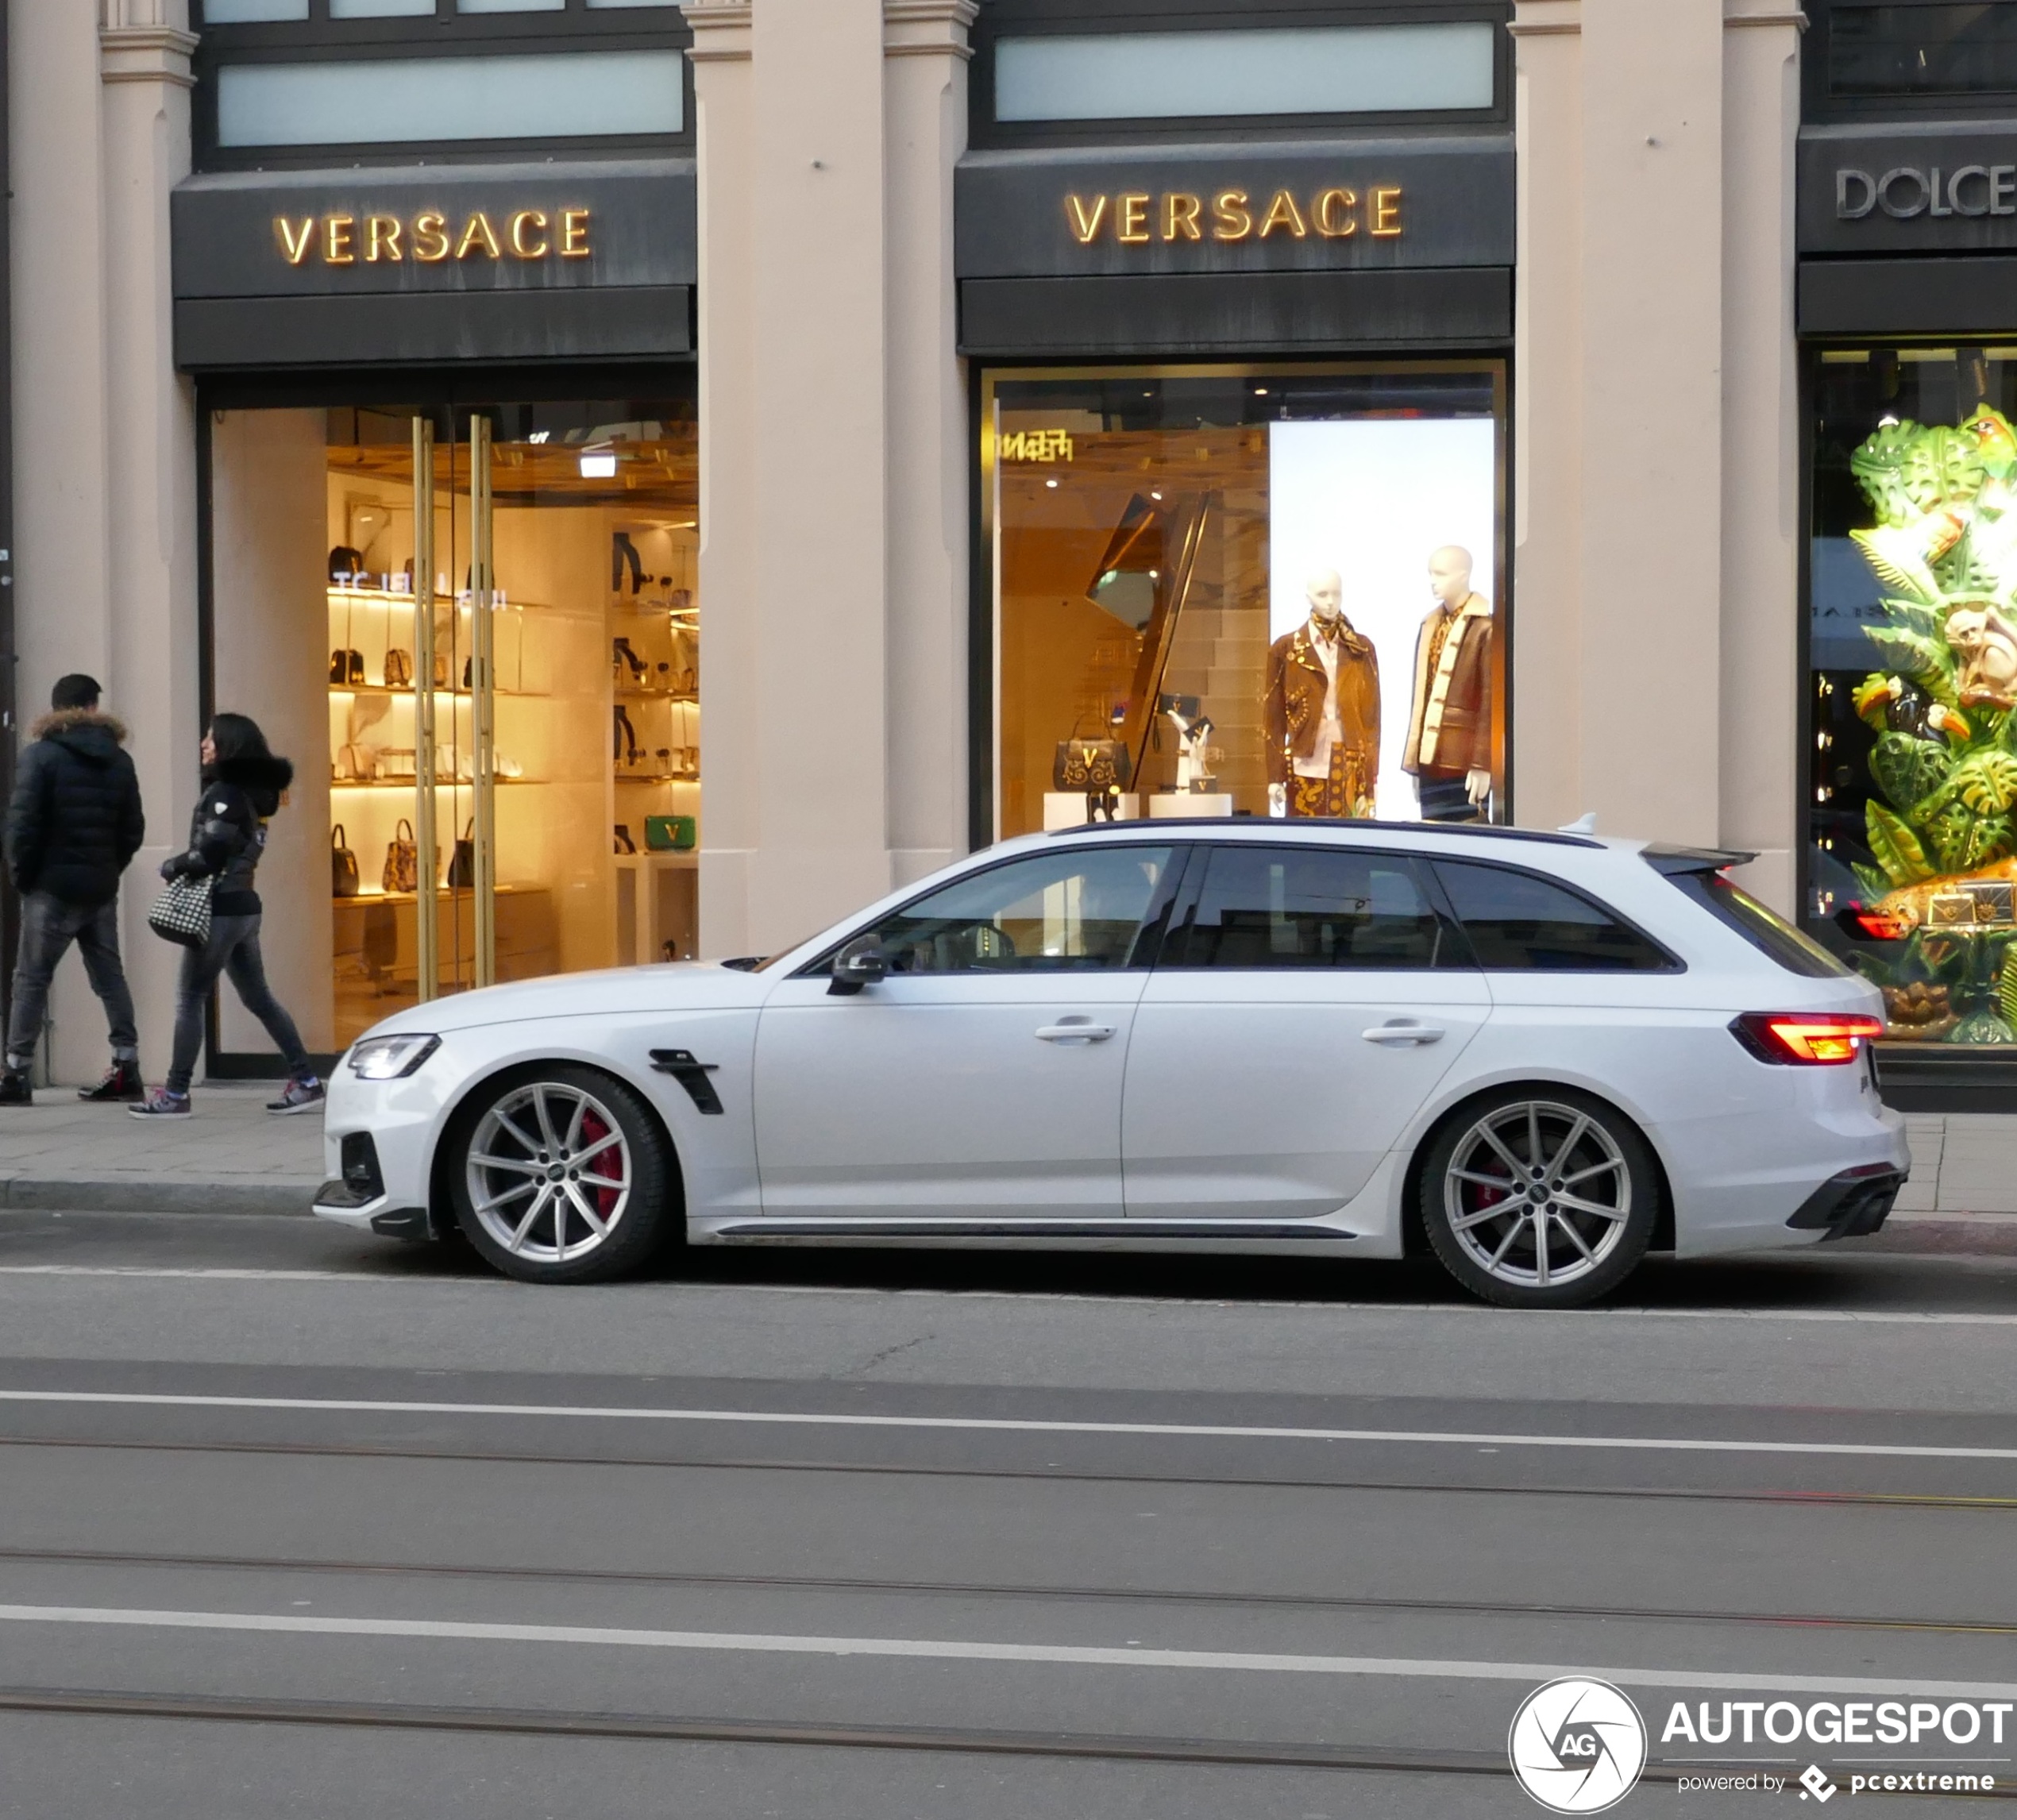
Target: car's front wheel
[(1539, 1197), (560, 1176)]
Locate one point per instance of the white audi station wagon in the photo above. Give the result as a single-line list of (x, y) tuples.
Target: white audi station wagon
[(1537, 1056)]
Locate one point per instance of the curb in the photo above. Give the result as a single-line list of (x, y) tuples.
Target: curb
[(72, 1194)]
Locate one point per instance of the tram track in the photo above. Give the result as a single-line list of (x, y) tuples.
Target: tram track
[(968, 1589), (1454, 1488)]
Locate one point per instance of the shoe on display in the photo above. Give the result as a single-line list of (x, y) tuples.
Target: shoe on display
[(122, 1082), (161, 1104), (14, 1089), (301, 1096)]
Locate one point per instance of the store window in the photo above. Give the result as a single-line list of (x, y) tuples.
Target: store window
[(1246, 592), (562, 687), (1912, 745)]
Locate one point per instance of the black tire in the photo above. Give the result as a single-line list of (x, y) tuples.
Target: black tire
[(1593, 1200), (529, 1179)]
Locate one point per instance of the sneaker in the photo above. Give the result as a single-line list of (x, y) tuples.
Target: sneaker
[(121, 1082), (300, 1096), (161, 1104), (14, 1089)]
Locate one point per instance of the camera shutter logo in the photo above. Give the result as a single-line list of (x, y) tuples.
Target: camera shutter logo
[(1578, 1745)]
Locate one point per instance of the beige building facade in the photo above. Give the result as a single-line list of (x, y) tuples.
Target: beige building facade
[(905, 424)]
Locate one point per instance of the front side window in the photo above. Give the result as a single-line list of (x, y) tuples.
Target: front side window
[(1308, 907), (1519, 922), (1076, 911)]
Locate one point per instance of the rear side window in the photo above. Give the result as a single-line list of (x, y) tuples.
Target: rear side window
[(1517, 921), (1311, 907), (1736, 909)]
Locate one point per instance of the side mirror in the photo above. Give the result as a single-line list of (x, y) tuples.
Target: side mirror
[(861, 963)]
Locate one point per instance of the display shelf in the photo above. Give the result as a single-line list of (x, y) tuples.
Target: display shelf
[(409, 784), (657, 777), (675, 696), (403, 691)]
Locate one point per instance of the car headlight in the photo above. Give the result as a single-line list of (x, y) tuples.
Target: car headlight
[(391, 1057)]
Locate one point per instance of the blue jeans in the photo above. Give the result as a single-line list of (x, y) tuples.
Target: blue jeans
[(47, 928), (233, 950)]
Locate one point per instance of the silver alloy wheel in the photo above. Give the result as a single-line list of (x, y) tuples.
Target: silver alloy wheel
[(548, 1172), (1537, 1194)]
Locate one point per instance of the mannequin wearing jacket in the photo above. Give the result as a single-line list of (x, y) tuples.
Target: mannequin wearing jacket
[(1449, 748), (1320, 712)]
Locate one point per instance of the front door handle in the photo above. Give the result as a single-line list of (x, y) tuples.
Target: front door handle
[(1402, 1030), (1068, 1031)]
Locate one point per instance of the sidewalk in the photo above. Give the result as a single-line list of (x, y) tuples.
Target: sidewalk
[(234, 1158)]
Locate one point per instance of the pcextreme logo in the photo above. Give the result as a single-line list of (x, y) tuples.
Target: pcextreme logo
[(1578, 1745)]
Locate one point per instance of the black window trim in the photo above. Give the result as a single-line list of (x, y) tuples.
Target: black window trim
[(1817, 104), (321, 39), (1175, 942), (1674, 963), (1079, 18), (1150, 933)]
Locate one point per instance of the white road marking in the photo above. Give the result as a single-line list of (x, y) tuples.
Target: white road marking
[(951, 1650), (999, 1424), (1456, 1310)]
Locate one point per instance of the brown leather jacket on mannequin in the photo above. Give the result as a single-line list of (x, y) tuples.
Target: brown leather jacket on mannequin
[(1450, 730), (1292, 699)]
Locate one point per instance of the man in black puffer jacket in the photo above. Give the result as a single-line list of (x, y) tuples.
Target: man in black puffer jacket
[(73, 826)]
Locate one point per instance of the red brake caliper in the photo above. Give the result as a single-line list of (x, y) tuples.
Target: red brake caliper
[(593, 1131)]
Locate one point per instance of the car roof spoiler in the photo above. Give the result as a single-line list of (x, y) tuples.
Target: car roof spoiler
[(1671, 861)]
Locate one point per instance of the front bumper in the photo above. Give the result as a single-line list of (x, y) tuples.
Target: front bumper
[(357, 1197), (1853, 1204)]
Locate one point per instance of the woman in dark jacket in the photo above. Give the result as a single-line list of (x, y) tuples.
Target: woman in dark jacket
[(242, 782)]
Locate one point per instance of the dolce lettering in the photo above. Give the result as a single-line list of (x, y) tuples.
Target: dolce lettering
[(431, 238), (1138, 218), (1907, 191)]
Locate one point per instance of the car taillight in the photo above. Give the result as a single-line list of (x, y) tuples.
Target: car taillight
[(1803, 1039)]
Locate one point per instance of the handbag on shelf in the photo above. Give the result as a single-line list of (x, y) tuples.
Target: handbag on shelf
[(462, 863), (441, 669), (1093, 765), (401, 859), (624, 843), (398, 669), (669, 833), (182, 913), (345, 564), (398, 761), (343, 864), (355, 763), (346, 667)]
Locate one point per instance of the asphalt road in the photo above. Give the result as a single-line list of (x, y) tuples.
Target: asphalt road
[(296, 1523)]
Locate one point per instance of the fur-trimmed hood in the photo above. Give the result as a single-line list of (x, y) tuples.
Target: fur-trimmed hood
[(261, 778), (98, 728)]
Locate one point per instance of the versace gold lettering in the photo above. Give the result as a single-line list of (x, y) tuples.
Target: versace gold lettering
[(338, 247), (429, 237), (574, 234), (295, 241), (1085, 223), (477, 232), (1131, 219), (534, 218), (1230, 218), (381, 239), (1385, 206), (1283, 212), (1333, 215), (1180, 216)]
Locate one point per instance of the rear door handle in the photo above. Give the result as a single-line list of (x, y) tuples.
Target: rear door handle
[(1080, 1032), (1402, 1030)]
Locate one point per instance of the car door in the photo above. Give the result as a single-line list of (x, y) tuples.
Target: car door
[(981, 1078), (1309, 1000)]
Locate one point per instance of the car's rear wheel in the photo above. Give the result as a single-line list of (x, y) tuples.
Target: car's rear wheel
[(560, 1176), (1539, 1197)]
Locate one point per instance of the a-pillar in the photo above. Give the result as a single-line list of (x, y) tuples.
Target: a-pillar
[(1654, 545)]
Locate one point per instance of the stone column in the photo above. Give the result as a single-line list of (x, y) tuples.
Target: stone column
[(1655, 599), (151, 677), (924, 85), (833, 556)]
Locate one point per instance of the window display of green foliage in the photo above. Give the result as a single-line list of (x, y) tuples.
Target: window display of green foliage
[(1945, 764)]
